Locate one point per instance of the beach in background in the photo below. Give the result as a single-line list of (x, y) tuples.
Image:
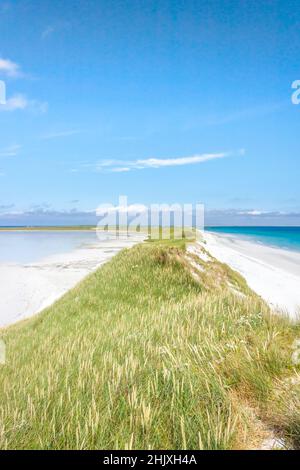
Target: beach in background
[(267, 257), (287, 238), (38, 267)]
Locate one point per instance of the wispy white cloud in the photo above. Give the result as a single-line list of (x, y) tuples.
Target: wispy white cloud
[(56, 135), (45, 211), (15, 102), (21, 102), (252, 212), (6, 208), (18, 101), (253, 112), (163, 162), (121, 169), (47, 32), (10, 151), (119, 166), (262, 213), (234, 115), (10, 68), (57, 27)]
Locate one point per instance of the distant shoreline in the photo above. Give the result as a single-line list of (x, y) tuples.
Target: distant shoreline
[(58, 228), (28, 288), (94, 227)]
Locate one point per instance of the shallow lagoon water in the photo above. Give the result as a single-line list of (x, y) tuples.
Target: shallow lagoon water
[(22, 247)]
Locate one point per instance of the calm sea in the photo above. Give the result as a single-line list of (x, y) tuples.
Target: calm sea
[(282, 237), (31, 246)]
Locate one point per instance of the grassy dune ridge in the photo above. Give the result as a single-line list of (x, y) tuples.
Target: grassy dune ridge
[(159, 348)]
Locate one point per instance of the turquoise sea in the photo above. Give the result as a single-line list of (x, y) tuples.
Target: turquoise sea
[(281, 237)]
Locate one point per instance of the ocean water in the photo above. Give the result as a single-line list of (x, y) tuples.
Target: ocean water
[(31, 246), (280, 237)]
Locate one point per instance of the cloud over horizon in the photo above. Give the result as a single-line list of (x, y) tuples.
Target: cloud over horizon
[(10, 151), (44, 214)]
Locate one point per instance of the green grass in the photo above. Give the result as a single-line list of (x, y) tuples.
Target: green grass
[(156, 349)]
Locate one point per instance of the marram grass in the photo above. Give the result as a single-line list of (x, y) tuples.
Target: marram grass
[(155, 350)]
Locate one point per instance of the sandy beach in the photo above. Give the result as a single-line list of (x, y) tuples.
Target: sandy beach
[(273, 273), (26, 289)]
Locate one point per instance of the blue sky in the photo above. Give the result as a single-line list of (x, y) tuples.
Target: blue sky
[(162, 101)]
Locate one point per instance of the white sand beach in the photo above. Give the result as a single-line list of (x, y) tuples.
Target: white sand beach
[(26, 289), (273, 273)]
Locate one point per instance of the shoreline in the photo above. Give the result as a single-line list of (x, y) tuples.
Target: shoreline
[(273, 273), (26, 289)]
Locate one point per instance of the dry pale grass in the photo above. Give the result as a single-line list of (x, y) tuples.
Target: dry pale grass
[(144, 354)]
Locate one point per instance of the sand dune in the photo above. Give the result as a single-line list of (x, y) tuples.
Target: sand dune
[(273, 273), (28, 288)]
